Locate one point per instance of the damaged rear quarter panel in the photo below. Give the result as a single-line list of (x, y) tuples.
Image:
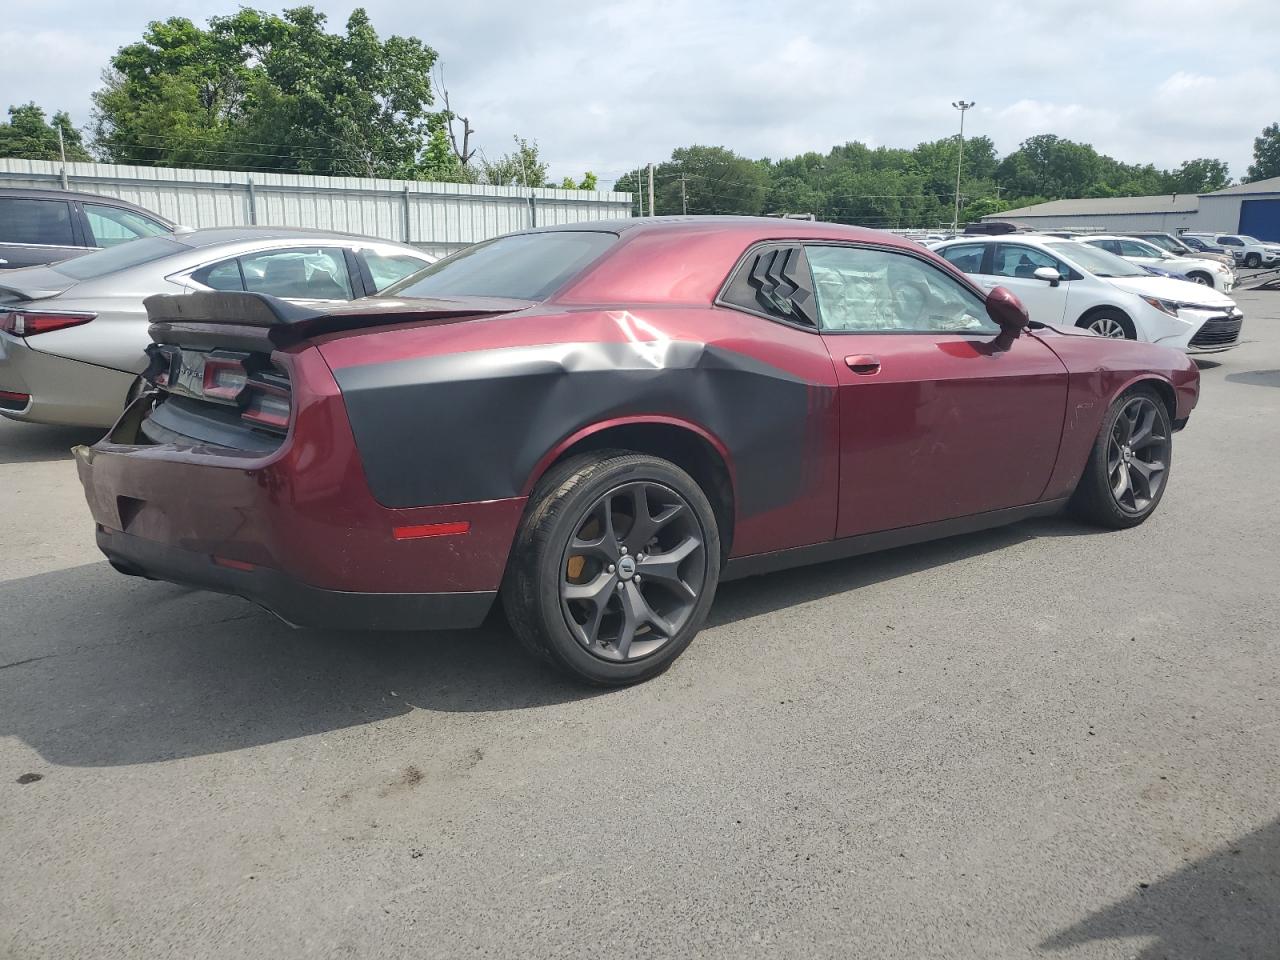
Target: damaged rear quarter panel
[(471, 411)]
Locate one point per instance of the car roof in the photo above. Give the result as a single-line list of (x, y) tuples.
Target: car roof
[(212, 236), (25, 193), (761, 228)]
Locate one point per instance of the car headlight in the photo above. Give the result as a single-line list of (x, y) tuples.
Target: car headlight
[(1164, 306)]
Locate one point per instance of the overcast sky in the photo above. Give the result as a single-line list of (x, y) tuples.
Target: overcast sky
[(604, 86)]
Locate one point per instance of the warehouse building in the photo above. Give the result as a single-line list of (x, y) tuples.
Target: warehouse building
[(1251, 208)]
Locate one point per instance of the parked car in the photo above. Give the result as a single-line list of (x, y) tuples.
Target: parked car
[(1249, 251), (1171, 244), (1205, 272), (73, 334), (605, 421), (1205, 245), (45, 226), (1073, 283)]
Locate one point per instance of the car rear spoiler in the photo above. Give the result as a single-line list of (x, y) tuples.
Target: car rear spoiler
[(257, 321)]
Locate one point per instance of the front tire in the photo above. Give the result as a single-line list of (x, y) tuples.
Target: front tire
[(1128, 467), (1109, 323), (1253, 261), (614, 567), (1201, 278)]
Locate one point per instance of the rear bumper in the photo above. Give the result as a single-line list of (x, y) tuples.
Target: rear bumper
[(293, 601), (297, 529)]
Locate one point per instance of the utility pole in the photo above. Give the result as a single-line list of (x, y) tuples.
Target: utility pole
[(640, 188), (684, 198), (651, 207), (962, 106), (62, 152)]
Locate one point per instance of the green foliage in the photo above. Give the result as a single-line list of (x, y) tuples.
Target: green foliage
[(521, 167), (1266, 155), (30, 136), (259, 91), (893, 187)]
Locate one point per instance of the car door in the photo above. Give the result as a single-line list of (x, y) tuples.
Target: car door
[(937, 419), (1013, 266), (35, 231)]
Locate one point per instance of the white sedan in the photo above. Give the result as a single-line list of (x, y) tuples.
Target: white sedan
[(1065, 282), (1207, 272)]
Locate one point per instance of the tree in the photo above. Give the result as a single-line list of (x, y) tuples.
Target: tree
[(260, 91), (1200, 176), (522, 167), (29, 136), (1266, 155)]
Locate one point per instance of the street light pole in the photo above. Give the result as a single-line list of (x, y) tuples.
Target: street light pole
[(962, 106)]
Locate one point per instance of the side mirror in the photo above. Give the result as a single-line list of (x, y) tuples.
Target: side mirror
[(1007, 311), (1049, 275)]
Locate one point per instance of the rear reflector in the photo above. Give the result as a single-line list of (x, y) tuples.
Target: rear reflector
[(431, 530), (11, 399), (24, 323), (233, 564)]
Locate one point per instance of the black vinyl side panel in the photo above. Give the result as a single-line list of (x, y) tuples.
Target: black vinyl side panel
[(473, 426)]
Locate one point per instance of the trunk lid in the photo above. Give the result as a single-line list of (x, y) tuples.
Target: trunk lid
[(33, 283)]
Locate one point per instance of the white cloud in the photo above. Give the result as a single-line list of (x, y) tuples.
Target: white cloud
[(609, 85)]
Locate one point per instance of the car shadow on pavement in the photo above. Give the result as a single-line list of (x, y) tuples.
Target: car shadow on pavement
[(1224, 905), (1257, 378), (97, 669), (36, 443)]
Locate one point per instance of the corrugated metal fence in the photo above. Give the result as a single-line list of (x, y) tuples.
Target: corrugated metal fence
[(437, 217)]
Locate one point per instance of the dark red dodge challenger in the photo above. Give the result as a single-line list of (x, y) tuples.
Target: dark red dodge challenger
[(601, 422)]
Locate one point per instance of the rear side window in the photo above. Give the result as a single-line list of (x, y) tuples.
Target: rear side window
[(36, 221), (112, 225), (965, 257), (220, 276), (526, 266), (315, 273), (774, 281), (387, 269)]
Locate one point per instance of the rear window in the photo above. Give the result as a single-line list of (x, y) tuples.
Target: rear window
[(527, 266), (35, 221), (122, 257)]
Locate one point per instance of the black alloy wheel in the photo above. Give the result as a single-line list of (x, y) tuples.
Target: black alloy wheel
[(1128, 467), (614, 567), (1138, 454), (632, 571)]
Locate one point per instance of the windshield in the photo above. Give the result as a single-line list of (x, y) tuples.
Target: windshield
[(1151, 250), (525, 266), (1095, 261), (1167, 243), (121, 257)]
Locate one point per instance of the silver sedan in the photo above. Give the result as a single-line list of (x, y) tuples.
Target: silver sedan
[(73, 334)]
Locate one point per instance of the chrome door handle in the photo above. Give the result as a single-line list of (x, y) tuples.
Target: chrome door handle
[(863, 363)]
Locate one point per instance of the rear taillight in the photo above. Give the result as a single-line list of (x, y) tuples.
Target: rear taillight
[(268, 406), (224, 379), (27, 323)]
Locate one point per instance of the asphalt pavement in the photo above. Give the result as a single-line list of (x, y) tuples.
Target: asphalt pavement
[(1041, 741)]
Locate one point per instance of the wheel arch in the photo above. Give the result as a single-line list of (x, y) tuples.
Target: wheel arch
[(689, 446), (1093, 311), (1168, 395)]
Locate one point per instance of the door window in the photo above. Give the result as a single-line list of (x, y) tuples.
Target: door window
[(864, 290), (1013, 260), (112, 225), (386, 269), (965, 257), (312, 273), (1130, 248), (46, 222)]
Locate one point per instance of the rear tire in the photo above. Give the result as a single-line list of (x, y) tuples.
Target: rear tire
[(1109, 323), (596, 590), (1128, 467)]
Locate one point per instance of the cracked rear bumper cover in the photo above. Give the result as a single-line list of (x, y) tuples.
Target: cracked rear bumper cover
[(297, 603)]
